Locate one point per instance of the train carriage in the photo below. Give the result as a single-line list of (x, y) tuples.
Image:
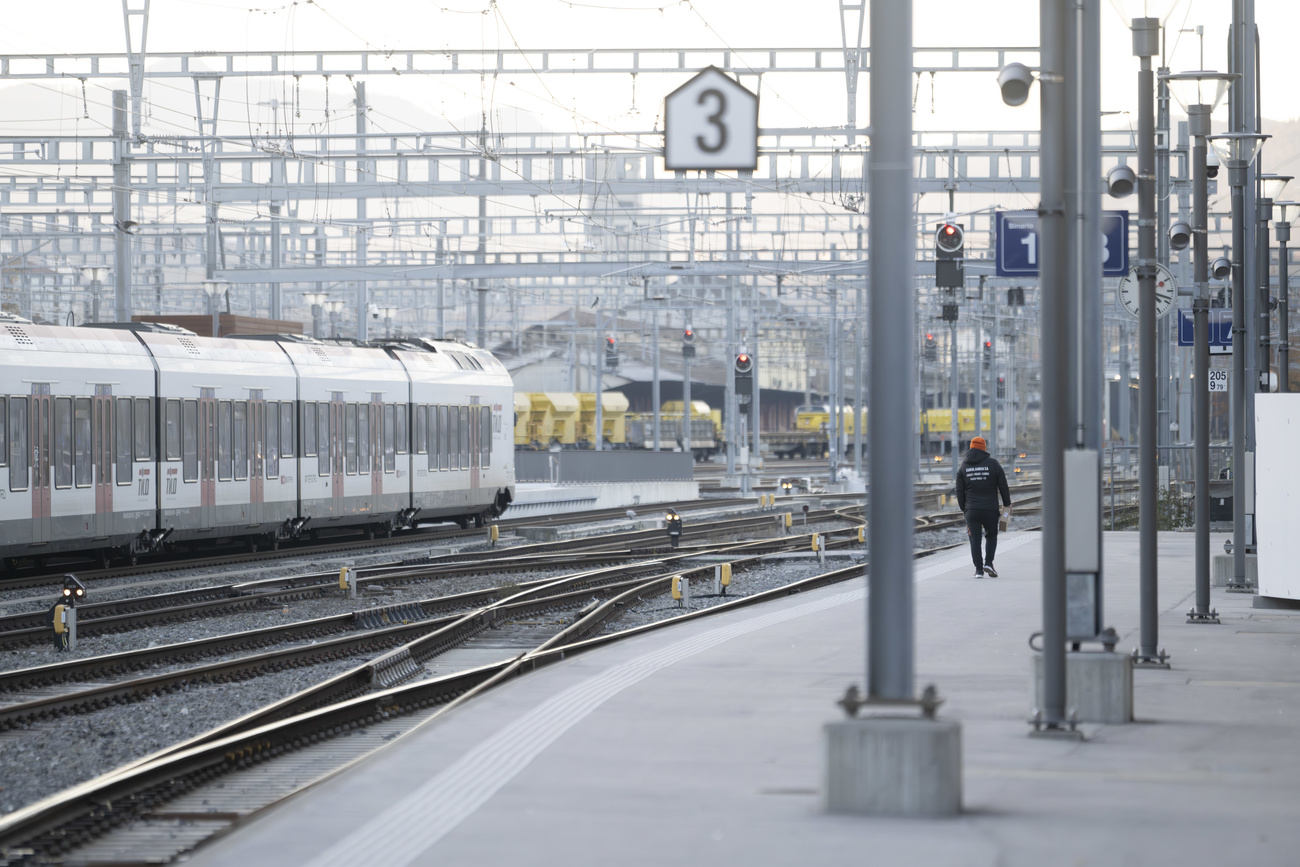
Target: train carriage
[(76, 440), (345, 393), (463, 451), (227, 444)]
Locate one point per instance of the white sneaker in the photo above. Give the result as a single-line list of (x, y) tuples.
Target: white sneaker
[(990, 571), (979, 573)]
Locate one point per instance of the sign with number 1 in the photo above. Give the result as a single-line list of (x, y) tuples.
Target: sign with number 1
[(1019, 252), (711, 122)]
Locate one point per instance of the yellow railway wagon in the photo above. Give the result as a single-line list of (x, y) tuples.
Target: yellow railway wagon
[(613, 418), (552, 418)]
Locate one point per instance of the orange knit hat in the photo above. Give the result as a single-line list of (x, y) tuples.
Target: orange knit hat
[(979, 443)]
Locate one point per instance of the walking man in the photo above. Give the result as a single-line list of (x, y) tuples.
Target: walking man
[(979, 482)]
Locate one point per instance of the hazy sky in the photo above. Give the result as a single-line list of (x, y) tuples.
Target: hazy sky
[(953, 101)]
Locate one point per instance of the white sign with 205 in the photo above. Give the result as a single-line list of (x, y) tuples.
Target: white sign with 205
[(1218, 380)]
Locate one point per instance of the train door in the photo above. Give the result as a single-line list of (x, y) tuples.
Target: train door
[(337, 449), (207, 458), (257, 455), (39, 426), (102, 457)]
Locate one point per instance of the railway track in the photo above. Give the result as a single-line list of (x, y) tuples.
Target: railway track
[(18, 630), (174, 799)]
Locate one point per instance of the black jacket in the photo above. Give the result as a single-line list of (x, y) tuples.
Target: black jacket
[(979, 481)]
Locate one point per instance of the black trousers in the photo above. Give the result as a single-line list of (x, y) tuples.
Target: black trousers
[(985, 520)]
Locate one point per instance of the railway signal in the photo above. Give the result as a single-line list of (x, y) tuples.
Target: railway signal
[(673, 524), (931, 348), (988, 352), (611, 353), (688, 342), (744, 368), (949, 256)]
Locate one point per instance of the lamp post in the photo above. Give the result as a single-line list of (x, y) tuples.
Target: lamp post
[(214, 290), (1200, 93), (317, 301), (1237, 151), (1271, 189), (1287, 211), (334, 308), (388, 313), (95, 274)]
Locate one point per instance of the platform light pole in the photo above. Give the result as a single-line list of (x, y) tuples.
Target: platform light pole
[(1272, 186), (317, 301), (214, 289), (1237, 151), (1286, 212), (95, 274), (334, 308), (388, 313), (1200, 93)]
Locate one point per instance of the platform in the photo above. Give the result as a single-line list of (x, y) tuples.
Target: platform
[(701, 745)]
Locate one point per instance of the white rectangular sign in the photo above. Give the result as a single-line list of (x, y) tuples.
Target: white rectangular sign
[(1218, 380)]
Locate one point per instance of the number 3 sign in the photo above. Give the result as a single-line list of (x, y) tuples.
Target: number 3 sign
[(711, 122)]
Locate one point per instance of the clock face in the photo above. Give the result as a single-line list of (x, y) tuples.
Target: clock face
[(1166, 289)]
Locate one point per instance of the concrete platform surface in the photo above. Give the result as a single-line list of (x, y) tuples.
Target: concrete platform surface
[(702, 745)]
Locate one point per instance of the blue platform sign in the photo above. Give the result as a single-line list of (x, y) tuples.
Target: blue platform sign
[(1220, 329), (1018, 249)]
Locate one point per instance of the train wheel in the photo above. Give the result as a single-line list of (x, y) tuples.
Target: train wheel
[(274, 543), (105, 558), (370, 532), (132, 558), (388, 531), (252, 546)]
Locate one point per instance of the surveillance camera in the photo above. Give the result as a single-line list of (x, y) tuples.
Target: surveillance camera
[(1120, 181), (1211, 163), (1180, 235), (1014, 81), (1220, 268), (373, 309)]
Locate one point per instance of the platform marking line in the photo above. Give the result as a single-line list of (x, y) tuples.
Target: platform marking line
[(422, 818)]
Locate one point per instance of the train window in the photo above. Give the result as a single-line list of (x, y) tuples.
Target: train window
[(402, 432), (350, 438), (19, 460), (225, 441), (143, 429), (443, 438), (308, 429), (63, 442), (286, 429), (83, 474), (365, 455), (124, 433), (453, 438), (190, 441), (390, 435), (323, 444), (172, 430), (485, 436), (421, 429), (433, 436), (464, 438), (271, 445), (4, 435), (240, 451)]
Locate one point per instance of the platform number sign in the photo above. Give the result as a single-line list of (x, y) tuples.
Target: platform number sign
[(711, 122), (1019, 250), (1218, 380)]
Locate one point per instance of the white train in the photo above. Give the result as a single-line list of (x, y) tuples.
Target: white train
[(120, 440)]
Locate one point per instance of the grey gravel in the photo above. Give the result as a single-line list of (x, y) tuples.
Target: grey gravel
[(54, 755)]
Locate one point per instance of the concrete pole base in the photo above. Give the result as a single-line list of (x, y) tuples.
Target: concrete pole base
[(1221, 570), (1098, 686), (892, 766)]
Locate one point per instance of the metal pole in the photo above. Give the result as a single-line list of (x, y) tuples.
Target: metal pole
[(835, 417), (993, 379), (1264, 212), (859, 382), (953, 402), (363, 315), (1242, 101), (277, 305), (654, 386), (121, 213), (1241, 348), (755, 457), (442, 305), (1164, 416), (890, 615), (1146, 42), (1058, 156), (1199, 126), (686, 404), (1283, 305), (598, 370)]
